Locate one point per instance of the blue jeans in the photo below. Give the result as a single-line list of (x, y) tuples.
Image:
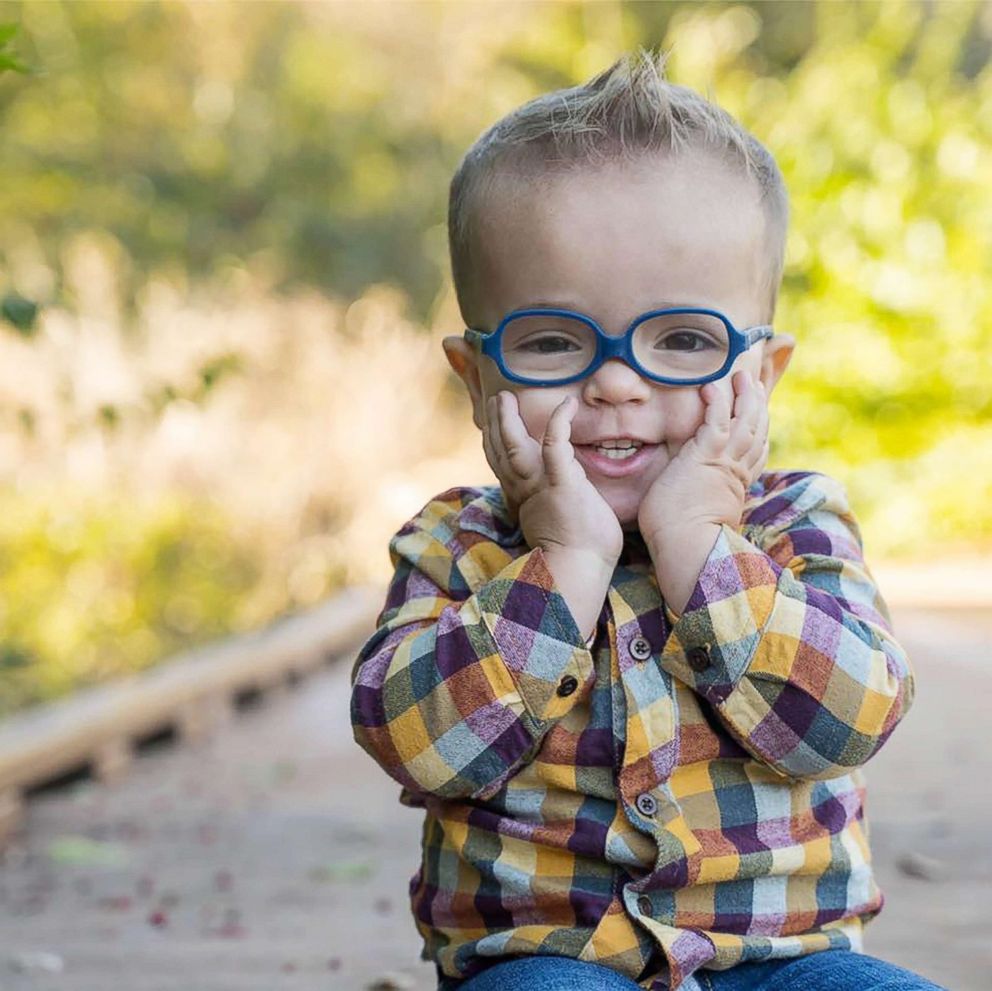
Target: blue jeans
[(826, 970)]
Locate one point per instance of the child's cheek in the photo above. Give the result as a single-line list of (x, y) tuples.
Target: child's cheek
[(535, 411)]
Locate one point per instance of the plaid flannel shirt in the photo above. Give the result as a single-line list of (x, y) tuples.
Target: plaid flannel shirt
[(683, 793)]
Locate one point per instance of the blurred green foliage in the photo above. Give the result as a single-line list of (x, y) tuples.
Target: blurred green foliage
[(312, 144), (8, 61), (93, 589)]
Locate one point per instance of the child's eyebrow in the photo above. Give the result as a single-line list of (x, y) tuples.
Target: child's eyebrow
[(556, 304), (566, 305)]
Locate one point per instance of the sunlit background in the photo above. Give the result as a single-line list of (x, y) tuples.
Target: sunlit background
[(224, 282)]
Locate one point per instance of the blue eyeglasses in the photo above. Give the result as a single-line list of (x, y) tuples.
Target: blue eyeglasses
[(683, 345)]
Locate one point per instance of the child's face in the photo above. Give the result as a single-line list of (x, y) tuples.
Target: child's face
[(613, 244)]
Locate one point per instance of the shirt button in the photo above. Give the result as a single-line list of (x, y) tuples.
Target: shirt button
[(698, 657), (567, 685), (644, 905), (640, 649), (646, 804)]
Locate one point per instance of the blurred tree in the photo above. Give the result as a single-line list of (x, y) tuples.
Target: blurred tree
[(316, 141), (281, 147), (93, 591), (8, 61)]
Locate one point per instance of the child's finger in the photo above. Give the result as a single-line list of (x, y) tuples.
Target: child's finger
[(492, 444), (522, 452), (487, 446), (757, 452), (556, 448), (749, 408), (754, 441), (747, 398), (491, 434), (713, 431), (760, 461)]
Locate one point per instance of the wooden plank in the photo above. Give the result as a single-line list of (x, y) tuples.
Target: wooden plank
[(111, 760), (952, 582), (11, 812), (192, 691)]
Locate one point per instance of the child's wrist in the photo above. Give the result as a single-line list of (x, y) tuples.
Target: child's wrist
[(679, 556), (679, 529), (581, 559)]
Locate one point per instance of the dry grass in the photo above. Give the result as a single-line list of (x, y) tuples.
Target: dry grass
[(338, 423)]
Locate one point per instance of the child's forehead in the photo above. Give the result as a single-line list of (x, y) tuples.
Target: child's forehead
[(685, 231), (611, 208)]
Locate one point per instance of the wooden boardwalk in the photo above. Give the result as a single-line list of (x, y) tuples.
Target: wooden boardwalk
[(274, 855)]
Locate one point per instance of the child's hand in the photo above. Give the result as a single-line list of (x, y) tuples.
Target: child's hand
[(707, 481), (545, 486)]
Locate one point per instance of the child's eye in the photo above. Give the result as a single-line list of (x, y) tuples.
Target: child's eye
[(684, 340), (548, 344)]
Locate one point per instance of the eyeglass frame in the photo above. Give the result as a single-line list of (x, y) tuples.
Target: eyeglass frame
[(617, 345)]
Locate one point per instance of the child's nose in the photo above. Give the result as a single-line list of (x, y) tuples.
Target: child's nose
[(616, 382)]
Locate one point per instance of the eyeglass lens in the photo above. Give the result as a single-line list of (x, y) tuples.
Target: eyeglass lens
[(545, 347)]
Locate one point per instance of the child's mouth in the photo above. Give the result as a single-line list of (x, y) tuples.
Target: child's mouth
[(615, 463)]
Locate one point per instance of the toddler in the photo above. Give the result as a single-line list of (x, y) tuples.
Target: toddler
[(632, 686)]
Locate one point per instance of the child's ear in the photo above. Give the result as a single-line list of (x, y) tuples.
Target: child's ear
[(465, 363), (775, 358)]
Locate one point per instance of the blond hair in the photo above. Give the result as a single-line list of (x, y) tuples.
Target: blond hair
[(623, 114)]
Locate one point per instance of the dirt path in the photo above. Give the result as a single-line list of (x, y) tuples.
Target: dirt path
[(276, 856)]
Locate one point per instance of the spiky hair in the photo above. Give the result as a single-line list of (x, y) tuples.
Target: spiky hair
[(624, 114)]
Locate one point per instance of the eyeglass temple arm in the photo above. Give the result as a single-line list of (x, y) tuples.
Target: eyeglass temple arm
[(754, 334)]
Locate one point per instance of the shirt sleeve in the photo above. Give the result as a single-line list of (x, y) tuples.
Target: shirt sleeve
[(456, 688), (787, 636)]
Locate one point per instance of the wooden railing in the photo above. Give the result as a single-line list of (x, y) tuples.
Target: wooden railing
[(192, 694)]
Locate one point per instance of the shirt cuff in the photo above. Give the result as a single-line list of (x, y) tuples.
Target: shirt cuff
[(536, 636), (714, 639)]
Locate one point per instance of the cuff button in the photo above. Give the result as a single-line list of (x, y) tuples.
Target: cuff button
[(567, 685), (698, 658)]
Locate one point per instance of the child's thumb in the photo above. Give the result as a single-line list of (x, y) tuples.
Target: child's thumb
[(555, 447)]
